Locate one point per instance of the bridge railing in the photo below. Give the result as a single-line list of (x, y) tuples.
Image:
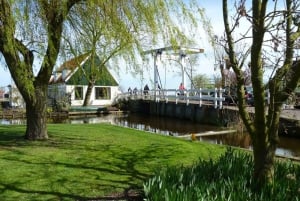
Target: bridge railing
[(195, 96)]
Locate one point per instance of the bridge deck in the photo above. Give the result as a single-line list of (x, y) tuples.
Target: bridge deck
[(211, 97)]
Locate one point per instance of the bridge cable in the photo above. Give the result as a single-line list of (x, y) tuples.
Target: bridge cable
[(190, 76), (159, 84)]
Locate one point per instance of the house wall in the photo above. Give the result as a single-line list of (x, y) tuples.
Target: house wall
[(71, 90), (15, 98)]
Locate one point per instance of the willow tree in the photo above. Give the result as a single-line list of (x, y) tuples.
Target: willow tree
[(274, 32), (102, 37), (31, 34), (24, 26), (120, 31)]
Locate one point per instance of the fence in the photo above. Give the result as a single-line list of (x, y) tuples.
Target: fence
[(195, 96)]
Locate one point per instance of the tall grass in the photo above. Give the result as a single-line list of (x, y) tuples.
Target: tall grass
[(228, 178)]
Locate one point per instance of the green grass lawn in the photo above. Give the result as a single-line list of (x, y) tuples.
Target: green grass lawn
[(88, 161)]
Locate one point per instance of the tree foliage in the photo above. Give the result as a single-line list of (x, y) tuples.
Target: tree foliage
[(28, 30), (31, 35), (112, 36)]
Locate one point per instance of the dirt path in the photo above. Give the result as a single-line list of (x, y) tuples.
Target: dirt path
[(291, 114)]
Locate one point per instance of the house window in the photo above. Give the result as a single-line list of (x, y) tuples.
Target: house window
[(78, 93), (102, 93)]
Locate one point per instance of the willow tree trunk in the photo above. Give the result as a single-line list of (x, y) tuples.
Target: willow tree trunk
[(36, 113), (88, 94)]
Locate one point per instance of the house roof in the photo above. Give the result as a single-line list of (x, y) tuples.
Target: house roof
[(73, 63), (70, 73), (2, 92)]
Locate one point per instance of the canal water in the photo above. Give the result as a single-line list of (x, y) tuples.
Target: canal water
[(175, 127)]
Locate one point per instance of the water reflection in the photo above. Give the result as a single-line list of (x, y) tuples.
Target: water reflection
[(232, 139), (162, 125), (12, 121), (287, 146), (175, 127)]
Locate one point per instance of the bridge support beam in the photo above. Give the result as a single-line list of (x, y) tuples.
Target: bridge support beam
[(192, 112)]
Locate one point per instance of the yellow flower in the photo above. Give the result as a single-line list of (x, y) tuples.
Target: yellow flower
[(193, 137)]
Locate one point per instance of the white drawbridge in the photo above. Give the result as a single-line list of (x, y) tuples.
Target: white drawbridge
[(175, 53)]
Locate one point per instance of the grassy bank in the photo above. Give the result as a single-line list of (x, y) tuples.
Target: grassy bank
[(81, 162)]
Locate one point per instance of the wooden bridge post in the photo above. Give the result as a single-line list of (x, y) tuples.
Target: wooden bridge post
[(187, 98), (200, 97), (216, 96), (221, 98)]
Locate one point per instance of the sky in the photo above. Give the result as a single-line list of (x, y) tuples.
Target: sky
[(169, 72)]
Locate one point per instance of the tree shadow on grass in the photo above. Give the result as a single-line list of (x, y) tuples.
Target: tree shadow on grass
[(12, 137), (59, 195), (8, 134), (130, 165)]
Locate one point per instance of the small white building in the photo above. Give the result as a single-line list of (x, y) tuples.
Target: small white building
[(10, 97), (69, 84)]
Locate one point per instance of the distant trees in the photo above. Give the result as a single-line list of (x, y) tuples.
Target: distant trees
[(272, 34), (202, 81)]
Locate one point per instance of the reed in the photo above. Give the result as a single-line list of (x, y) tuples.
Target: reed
[(228, 178)]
